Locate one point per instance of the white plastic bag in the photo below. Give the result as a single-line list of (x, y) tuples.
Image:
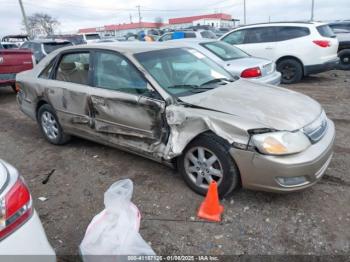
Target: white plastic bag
[(115, 231)]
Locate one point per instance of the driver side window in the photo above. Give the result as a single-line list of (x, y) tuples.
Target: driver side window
[(114, 72)]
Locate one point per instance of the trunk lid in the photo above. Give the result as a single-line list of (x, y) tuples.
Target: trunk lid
[(239, 65), (273, 107)]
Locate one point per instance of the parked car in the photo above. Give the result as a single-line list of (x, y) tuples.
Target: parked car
[(12, 62), (343, 36), (298, 48), (91, 37), (73, 38), (179, 107), (21, 232), (7, 45), (187, 34), (42, 48), (235, 60), (15, 39), (345, 25)]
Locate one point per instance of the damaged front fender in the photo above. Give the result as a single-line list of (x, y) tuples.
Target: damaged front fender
[(186, 123)]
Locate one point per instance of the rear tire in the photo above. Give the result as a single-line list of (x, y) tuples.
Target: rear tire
[(50, 126), (216, 165), (291, 70), (344, 56)]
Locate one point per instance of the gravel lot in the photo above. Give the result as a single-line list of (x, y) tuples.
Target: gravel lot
[(315, 221)]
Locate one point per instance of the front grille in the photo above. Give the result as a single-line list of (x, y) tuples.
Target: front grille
[(317, 129)]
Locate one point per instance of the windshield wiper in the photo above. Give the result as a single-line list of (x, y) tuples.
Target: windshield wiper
[(183, 86), (216, 80)]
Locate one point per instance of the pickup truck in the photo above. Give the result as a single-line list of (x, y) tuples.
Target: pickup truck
[(13, 61)]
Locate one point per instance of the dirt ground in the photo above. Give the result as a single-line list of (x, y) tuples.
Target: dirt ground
[(315, 221)]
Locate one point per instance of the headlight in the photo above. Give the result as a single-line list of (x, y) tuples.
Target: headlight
[(281, 143)]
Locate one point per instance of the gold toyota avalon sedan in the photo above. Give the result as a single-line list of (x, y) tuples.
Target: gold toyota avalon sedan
[(176, 106)]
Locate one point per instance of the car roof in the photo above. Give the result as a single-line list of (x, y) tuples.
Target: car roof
[(128, 47), (291, 23)]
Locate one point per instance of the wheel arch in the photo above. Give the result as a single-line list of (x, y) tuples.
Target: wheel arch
[(291, 57), (39, 104), (214, 136)]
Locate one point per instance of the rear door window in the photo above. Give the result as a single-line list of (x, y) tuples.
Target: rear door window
[(260, 35), (290, 32), (74, 68)]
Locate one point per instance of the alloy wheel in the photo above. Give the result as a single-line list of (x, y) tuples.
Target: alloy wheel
[(49, 125), (202, 166)]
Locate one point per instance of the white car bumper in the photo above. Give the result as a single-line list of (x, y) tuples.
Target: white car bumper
[(29, 240)]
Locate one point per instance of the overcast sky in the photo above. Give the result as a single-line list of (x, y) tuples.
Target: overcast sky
[(75, 14)]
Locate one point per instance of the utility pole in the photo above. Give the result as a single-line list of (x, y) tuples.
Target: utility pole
[(312, 9), (139, 11), (24, 17), (130, 18), (245, 12)]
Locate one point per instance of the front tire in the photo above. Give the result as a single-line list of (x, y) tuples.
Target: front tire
[(291, 70), (50, 127), (206, 159)]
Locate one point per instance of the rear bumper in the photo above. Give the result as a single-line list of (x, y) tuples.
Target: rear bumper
[(263, 172), (315, 69), (30, 240), (271, 79), (7, 79)]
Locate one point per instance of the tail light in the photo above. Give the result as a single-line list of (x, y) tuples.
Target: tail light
[(251, 72), (322, 43), (15, 208)]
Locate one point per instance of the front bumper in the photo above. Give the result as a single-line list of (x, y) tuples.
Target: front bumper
[(315, 69), (271, 79), (260, 172), (30, 240)]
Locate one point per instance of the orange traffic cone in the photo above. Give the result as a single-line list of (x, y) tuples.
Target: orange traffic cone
[(210, 208)]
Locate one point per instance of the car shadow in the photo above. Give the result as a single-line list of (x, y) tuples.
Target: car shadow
[(6, 93)]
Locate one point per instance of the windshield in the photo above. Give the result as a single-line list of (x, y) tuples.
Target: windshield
[(50, 47), (182, 71), (225, 51)]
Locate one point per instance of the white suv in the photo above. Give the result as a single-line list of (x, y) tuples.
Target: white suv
[(298, 48)]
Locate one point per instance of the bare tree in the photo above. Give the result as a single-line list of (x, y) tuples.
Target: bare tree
[(42, 24), (159, 21)]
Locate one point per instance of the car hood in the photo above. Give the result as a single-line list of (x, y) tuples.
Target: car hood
[(271, 106)]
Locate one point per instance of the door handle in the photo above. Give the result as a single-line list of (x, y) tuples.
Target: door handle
[(269, 48)]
